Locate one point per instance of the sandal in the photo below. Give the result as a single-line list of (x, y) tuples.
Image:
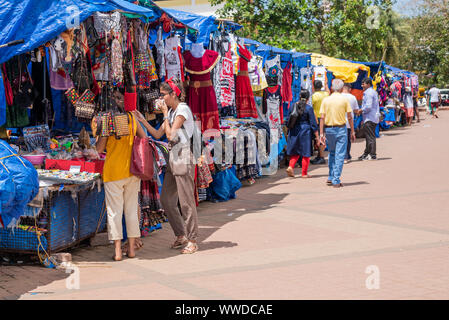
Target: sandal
[(114, 257), (329, 182), (179, 243), (191, 247)]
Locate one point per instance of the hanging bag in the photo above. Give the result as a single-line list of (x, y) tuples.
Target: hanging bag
[(293, 117), (130, 87), (142, 164), (26, 94)]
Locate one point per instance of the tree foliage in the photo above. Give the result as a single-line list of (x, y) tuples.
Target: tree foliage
[(351, 29)]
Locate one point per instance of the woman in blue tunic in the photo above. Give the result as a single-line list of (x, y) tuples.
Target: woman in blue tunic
[(300, 136)]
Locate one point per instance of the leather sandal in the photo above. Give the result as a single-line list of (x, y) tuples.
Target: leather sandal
[(191, 247), (179, 243), (114, 257), (329, 182)]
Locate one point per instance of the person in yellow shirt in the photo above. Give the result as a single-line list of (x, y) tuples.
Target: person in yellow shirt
[(317, 99), (334, 110), (121, 187)]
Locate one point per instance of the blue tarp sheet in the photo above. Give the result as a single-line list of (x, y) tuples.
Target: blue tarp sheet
[(298, 58), (205, 25), (18, 184)]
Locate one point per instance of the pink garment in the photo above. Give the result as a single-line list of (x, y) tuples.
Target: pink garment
[(59, 82)]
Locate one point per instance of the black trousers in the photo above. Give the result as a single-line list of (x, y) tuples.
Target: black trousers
[(369, 128)]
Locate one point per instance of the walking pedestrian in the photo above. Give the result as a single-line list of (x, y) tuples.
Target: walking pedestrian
[(300, 134), (121, 188), (354, 106), (408, 103), (415, 105), (434, 96), (370, 112), (334, 110), (317, 99), (178, 189)]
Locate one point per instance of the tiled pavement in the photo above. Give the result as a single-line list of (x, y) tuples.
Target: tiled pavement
[(285, 238)]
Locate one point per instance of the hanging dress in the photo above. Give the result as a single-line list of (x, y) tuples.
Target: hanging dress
[(272, 101), (173, 58), (274, 71), (201, 94), (244, 97)]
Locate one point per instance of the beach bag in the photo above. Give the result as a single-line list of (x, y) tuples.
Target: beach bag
[(142, 164)]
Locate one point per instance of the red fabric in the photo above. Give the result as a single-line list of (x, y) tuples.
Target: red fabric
[(357, 93), (293, 160), (305, 165), (286, 92), (244, 97), (202, 101), (130, 101)]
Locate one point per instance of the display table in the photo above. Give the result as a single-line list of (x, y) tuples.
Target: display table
[(72, 213)]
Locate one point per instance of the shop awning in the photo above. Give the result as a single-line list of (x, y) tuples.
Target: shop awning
[(341, 69)]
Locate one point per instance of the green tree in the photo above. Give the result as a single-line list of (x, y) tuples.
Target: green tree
[(427, 50), (341, 28)]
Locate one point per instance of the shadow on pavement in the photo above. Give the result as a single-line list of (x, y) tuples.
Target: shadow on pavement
[(212, 216), (17, 280), (348, 184)]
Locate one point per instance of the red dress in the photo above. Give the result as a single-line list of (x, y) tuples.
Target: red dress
[(201, 94), (244, 97)]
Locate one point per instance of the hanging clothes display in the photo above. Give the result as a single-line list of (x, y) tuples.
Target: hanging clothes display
[(244, 97), (256, 73), (201, 94), (287, 95), (273, 103), (296, 83), (273, 71), (173, 58), (144, 62), (226, 79), (160, 49)]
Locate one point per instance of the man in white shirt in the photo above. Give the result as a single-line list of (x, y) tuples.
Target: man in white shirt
[(435, 100), (354, 106)]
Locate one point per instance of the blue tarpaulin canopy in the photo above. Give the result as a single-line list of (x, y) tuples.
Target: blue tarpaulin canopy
[(298, 58), (204, 24), (396, 71), (37, 22)]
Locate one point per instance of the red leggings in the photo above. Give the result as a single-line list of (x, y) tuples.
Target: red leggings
[(305, 163)]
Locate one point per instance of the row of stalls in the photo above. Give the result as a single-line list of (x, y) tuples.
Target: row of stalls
[(81, 60)]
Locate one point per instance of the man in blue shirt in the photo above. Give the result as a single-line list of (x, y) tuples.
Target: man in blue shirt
[(370, 112)]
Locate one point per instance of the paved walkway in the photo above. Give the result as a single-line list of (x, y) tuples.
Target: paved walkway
[(284, 238)]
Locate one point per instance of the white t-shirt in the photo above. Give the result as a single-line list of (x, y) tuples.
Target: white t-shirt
[(183, 110), (354, 106), (434, 94)]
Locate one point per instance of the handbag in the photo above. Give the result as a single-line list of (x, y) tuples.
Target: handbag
[(72, 95), (26, 93), (129, 70), (121, 125), (85, 108), (293, 117), (142, 160), (180, 156), (179, 159)]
